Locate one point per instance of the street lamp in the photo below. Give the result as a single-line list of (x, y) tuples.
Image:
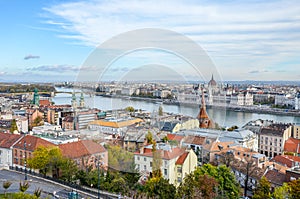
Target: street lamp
[(25, 156), (98, 165)]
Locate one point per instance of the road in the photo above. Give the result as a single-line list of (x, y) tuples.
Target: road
[(48, 188)]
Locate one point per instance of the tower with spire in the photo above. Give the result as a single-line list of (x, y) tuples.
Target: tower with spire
[(73, 101), (81, 101), (204, 120)]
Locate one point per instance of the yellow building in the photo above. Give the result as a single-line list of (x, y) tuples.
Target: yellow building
[(175, 165), (113, 126)]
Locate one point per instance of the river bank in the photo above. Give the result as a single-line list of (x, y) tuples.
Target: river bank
[(248, 109)]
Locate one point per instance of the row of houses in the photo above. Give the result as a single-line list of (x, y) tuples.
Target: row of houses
[(14, 149)]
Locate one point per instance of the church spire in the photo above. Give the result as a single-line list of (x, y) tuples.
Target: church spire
[(204, 120)]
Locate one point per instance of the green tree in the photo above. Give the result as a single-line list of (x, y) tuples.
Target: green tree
[(294, 188), (120, 160), (39, 160), (149, 137), (68, 170), (281, 192), (227, 184), (24, 186), (129, 109), (55, 161), (157, 162), (13, 126), (38, 192), (160, 111), (159, 188), (6, 185), (262, 191)]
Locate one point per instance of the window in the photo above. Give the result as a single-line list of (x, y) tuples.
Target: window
[(165, 172), (145, 167), (145, 159), (179, 180), (179, 170), (150, 164)]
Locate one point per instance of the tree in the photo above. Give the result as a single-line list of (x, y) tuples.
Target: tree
[(157, 162), (159, 188), (149, 137), (55, 161), (13, 126), (120, 160), (38, 121), (38, 192), (68, 169), (6, 185), (227, 184), (263, 189), (203, 187), (294, 188), (160, 111), (281, 192), (129, 109), (39, 160), (24, 186)]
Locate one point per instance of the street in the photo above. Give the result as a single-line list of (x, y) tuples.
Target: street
[(48, 188)]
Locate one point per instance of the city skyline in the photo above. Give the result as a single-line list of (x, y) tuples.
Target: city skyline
[(250, 40)]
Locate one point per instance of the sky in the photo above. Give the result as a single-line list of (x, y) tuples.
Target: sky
[(50, 41)]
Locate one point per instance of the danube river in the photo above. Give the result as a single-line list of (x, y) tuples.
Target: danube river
[(223, 117)]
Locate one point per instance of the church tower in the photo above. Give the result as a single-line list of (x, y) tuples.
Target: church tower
[(204, 120), (73, 101), (81, 101)]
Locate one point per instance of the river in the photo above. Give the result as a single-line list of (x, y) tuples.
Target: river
[(224, 117)]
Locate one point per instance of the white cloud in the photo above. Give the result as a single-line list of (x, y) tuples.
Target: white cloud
[(260, 33)]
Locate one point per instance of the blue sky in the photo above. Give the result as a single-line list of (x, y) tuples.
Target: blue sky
[(246, 40)]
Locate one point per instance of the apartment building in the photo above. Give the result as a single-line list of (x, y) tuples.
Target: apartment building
[(272, 139)]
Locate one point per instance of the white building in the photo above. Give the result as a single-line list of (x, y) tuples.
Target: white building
[(113, 126), (272, 139), (7, 141), (176, 162)]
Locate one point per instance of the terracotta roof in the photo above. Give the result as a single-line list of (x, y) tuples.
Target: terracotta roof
[(217, 145), (32, 143), (292, 145), (7, 140), (275, 177), (45, 103), (182, 158), (116, 124), (81, 148), (196, 140), (286, 160), (175, 137), (167, 155)]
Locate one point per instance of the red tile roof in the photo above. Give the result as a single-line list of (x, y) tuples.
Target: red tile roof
[(275, 177), (7, 140), (33, 143), (195, 140), (45, 103), (182, 158), (167, 155), (292, 145), (81, 148), (287, 160), (175, 137)]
